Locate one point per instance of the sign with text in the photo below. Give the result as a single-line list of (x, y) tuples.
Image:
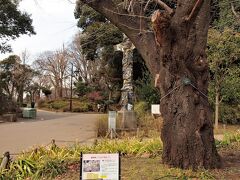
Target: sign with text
[(112, 116), (100, 167)]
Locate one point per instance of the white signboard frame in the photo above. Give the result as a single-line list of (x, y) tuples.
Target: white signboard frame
[(100, 166)]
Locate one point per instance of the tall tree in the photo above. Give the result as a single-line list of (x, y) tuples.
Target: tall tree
[(173, 45), (14, 77), (228, 15), (224, 57), (13, 23), (86, 68), (54, 65)]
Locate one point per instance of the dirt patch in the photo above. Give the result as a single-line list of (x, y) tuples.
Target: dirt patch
[(230, 163)]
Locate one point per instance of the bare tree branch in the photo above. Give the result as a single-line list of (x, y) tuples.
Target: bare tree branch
[(194, 9), (130, 15), (146, 6), (165, 6), (129, 25), (234, 11)]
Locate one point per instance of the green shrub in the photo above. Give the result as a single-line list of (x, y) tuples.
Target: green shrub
[(228, 139), (230, 114), (82, 106), (63, 104), (47, 163), (85, 107), (51, 168), (148, 94), (141, 108), (21, 168), (59, 104), (82, 88), (146, 121)]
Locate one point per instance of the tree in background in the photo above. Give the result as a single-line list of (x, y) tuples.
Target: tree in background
[(33, 90), (224, 60), (47, 92), (144, 89), (14, 77), (97, 41), (223, 43), (87, 69), (173, 46), (112, 73), (228, 15), (54, 65), (13, 23)]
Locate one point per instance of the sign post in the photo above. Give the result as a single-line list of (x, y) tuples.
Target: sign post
[(112, 124)]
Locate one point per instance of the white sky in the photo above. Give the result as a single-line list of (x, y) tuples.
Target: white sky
[(54, 23)]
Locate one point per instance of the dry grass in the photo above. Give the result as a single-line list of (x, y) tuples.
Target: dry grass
[(225, 128), (148, 126)]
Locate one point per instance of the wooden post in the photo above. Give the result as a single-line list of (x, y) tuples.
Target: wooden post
[(5, 161)]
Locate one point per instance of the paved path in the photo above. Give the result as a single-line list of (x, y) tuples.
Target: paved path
[(19, 136)]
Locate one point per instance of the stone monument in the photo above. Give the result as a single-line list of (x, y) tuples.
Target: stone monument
[(127, 115)]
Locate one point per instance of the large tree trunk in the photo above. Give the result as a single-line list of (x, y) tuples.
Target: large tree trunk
[(178, 55), (187, 132), (20, 95)]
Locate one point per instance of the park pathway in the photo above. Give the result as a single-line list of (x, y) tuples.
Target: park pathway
[(66, 127)]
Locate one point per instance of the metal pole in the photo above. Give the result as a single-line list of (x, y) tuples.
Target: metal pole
[(70, 108)]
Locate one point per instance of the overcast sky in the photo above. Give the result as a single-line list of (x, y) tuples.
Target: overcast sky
[(54, 24)]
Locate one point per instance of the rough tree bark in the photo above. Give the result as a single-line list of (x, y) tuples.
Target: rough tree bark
[(175, 50)]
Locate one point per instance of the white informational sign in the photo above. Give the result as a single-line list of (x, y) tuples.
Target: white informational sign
[(155, 109), (100, 166), (112, 116), (129, 107)]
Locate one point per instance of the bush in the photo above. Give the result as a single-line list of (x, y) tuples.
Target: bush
[(230, 114), (228, 139), (95, 96), (63, 104), (86, 107), (145, 120), (148, 94), (59, 104), (141, 108), (82, 88)]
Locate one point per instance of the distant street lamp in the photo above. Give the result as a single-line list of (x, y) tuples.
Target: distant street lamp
[(71, 88)]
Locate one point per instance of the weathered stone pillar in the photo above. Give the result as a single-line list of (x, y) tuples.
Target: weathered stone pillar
[(127, 67), (127, 115)]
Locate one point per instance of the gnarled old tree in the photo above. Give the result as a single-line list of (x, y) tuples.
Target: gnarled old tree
[(172, 41)]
